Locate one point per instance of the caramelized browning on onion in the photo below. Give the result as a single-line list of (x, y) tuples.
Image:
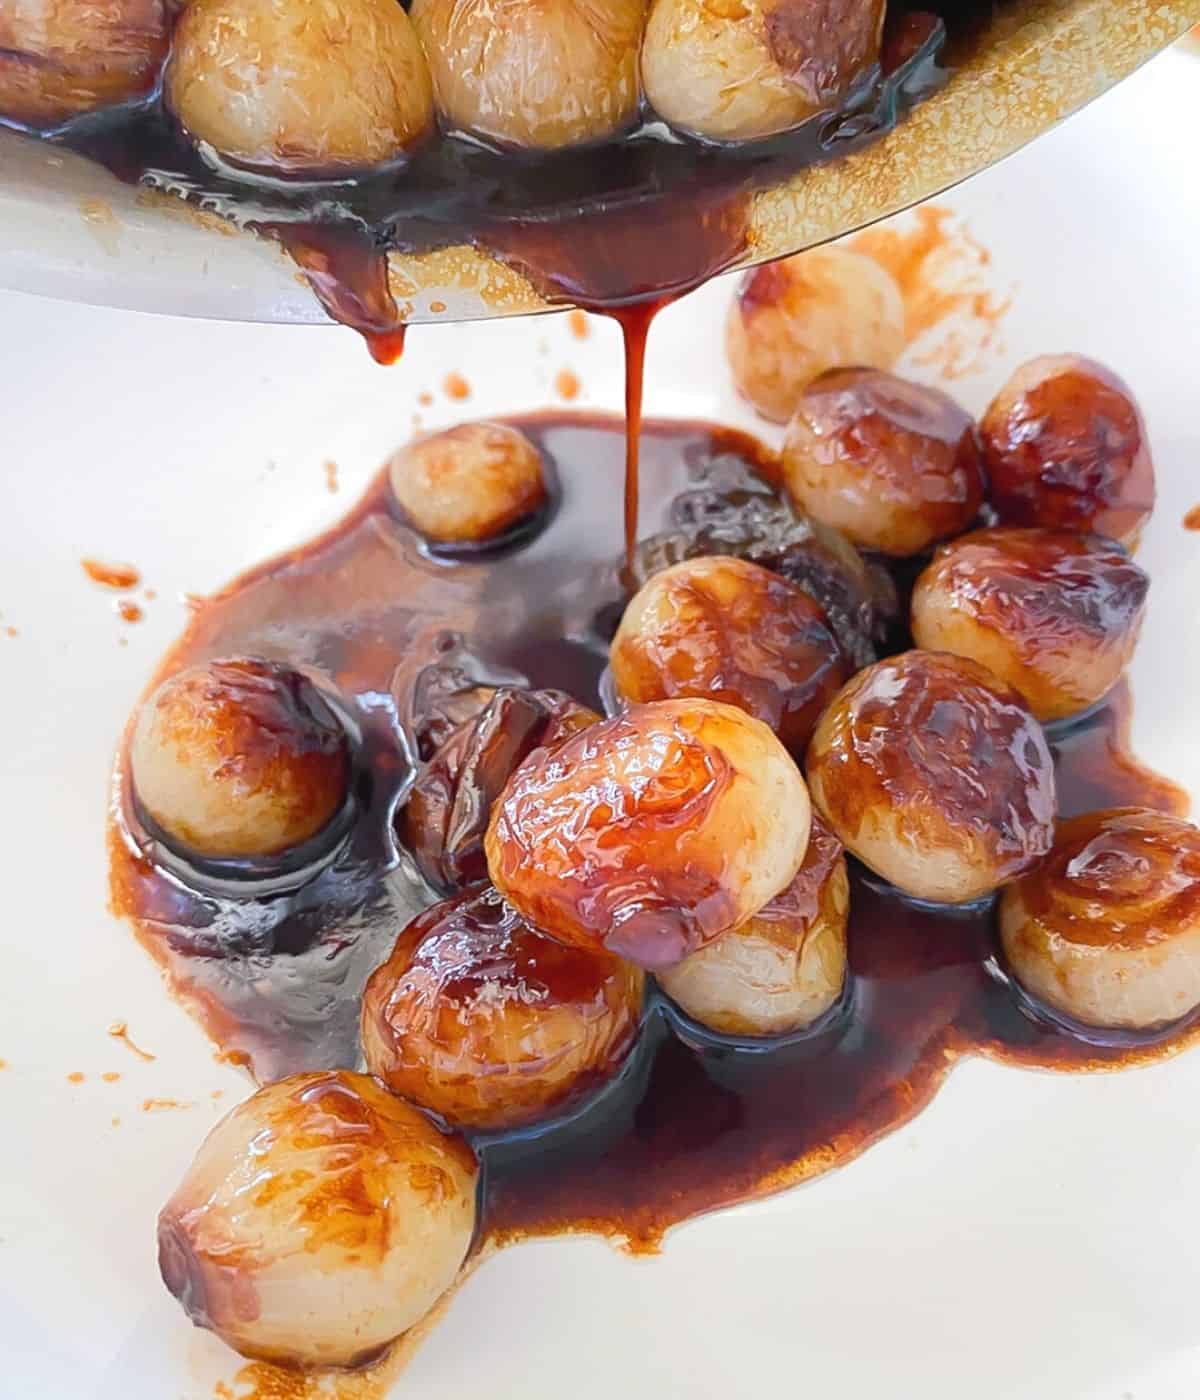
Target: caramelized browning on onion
[(239, 758), (728, 630), (934, 773), (733, 70), (320, 1219), (1107, 928), (895, 465), (490, 1024), (1066, 446), (60, 58), (468, 484), (651, 833), (1054, 613)]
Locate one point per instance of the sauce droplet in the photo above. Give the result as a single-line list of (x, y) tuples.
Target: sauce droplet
[(119, 576), (1191, 521), (456, 387), (577, 324), (120, 1031), (129, 610), (76, 1077), (331, 477), (566, 384)]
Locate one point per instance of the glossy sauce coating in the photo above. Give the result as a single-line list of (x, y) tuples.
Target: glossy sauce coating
[(491, 1025), (1107, 928), (735, 632), (1054, 613), (444, 819), (893, 464), (651, 833), (1066, 446), (63, 58), (319, 1220), (689, 1126), (936, 775)]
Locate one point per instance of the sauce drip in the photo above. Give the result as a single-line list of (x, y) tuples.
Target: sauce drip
[(646, 217), (115, 576), (694, 1121)]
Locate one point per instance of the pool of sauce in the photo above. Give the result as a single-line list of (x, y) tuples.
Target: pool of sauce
[(273, 960)]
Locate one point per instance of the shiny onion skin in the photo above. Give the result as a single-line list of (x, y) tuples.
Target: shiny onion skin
[(319, 1220), (894, 465), (1054, 613), (490, 1024), (446, 815), (239, 757), (1106, 930), (651, 833), (1065, 446), (935, 775), (534, 74), (62, 58), (725, 629), (783, 968)]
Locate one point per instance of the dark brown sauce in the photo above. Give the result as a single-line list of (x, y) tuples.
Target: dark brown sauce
[(694, 1122), (1191, 521)]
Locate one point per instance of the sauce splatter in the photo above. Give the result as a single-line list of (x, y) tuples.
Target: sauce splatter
[(566, 384), (1191, 521), (951, 315), (437, 307), (120, 1031), (425, 398), (164, 1105), (11, 632), (117, 576), (76, 1077), (130, 611), (577, 324), (331, 477), (456, 387), (110, 1076)]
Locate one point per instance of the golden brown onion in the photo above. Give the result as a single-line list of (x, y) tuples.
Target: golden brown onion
[(792, 320), (733, 70), (1107, 928), (724, 629), (651, 833), (1065, 446), (490, 1024), (300, 85), (1054, 613), (541, 74), (60, 58), (239, 757), (320, 1219), (893, 465), (786, 965), (934, 773), (468, 484)]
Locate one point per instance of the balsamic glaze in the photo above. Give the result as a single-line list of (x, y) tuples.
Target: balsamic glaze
[(696, 1120)]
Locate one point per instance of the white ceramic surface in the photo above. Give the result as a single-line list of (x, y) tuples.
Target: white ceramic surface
[(1029, 1237)]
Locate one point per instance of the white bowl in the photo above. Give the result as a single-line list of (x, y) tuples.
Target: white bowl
[(1029, 1235)]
